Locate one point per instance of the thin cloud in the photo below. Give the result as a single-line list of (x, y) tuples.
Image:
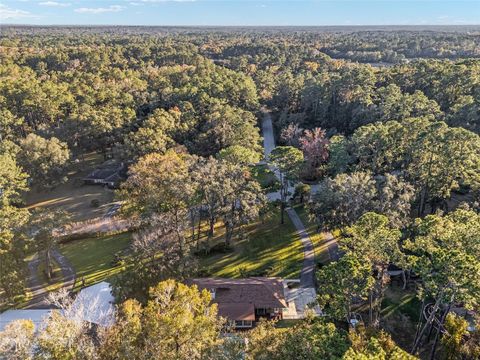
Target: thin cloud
[(100, 10), (164, 1), (54, 4), (8, 13)]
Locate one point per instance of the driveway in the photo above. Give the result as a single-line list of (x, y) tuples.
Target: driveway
[(38, 292), (307, 275), (298, 297)]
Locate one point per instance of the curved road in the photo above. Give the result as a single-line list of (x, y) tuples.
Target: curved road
[(35, 284)]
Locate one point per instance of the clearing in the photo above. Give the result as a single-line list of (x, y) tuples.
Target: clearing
[(73, 196), (94, 259)]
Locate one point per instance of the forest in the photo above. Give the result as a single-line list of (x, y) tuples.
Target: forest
[(378, 134)]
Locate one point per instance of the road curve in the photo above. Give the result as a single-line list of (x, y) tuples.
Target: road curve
[(38, 292)]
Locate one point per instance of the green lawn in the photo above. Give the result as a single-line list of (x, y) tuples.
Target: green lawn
[(268, 249), (400, 309), (93, 258)]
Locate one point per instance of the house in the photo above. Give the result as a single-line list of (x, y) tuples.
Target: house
[(243, 301), (93, 304), (109, 174), (36, 316)]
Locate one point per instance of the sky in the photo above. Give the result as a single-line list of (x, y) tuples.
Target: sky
[(240, 12)]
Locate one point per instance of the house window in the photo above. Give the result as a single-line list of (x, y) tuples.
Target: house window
[(243, 323), (261, 311)]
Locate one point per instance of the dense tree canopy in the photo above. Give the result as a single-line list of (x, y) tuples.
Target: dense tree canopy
[(342, 200), (12, 182), (384, 126)]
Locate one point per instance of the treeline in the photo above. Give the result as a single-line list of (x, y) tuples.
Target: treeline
[(298, 78), (341, 97), (364, 45)]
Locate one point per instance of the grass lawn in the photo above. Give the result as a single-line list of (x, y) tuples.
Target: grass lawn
[(268, 249), (73, 196), (318, 239), (93, 258)]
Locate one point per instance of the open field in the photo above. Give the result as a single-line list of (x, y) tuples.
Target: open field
[(267, 249), (73, 196)]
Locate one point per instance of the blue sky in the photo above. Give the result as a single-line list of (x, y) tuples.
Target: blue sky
[(240, 12)]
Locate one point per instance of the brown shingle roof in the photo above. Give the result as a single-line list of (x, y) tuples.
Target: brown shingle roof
[(237, 311), (260, 291)]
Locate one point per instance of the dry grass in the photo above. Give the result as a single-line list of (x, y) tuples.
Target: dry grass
[(73, 196)]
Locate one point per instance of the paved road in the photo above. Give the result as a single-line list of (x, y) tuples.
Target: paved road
[(268, 146), (267, 132), (307, 274), (38, 292)]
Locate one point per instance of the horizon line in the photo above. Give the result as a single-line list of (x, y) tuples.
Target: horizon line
[(249, 26)]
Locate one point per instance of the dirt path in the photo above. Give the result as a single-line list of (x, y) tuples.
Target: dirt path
[(38, 292)]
